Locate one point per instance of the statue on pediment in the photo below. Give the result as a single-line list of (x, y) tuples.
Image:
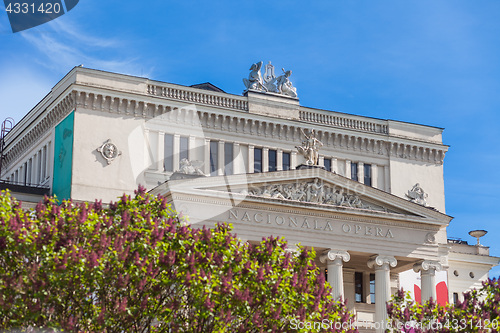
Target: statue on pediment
[(417, 195), (310, 148)]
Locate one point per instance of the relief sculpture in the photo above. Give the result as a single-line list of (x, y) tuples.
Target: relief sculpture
[(313, 192)]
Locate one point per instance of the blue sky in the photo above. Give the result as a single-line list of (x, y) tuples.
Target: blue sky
[(431, 62)]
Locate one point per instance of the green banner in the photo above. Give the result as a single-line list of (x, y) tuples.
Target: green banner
[(63, 158)]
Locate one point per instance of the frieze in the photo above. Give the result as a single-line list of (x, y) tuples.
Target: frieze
[(314, 224), (313, 192)]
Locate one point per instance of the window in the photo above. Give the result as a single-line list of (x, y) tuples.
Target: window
[(168, 162), (286, 161), (354, 171), (328, 164), (358, 287), (184, 148), (228, 158), (455, 298), (273, 160), (372, 288), (257, 160), (214, 155), (368, 174), (24, 172)]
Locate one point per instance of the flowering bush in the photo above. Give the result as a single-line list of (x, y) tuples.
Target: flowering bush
[(479, 312), (136, 266)]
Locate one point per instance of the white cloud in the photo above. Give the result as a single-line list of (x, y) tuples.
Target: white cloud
[(63, 46)]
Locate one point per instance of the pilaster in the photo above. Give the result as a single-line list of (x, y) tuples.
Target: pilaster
[(279, 160), (265, 159), (237, 159), (220, 159), (161, 151), (176, 152), (361, 172), (293, 160), (206, 157), (375, 176), (250, 159)]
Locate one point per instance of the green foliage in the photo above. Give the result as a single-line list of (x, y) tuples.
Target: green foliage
[(135, 266), (479, 312)]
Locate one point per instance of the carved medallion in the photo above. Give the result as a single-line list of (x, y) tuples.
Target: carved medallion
[(109, 151)]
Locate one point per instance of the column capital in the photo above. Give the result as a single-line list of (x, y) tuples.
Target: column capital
[(331, 255), (427, 265), (380, 261)]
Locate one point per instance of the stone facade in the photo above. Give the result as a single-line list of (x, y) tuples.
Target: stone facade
[(360, 207)]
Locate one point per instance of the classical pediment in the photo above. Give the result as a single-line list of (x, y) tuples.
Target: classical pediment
[(315, 191), (308, 188)]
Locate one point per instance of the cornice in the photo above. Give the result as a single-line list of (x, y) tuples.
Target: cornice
[(215, 111), (324, 212), (28, 137)]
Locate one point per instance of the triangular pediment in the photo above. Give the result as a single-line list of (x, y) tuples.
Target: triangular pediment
[(311, 188)]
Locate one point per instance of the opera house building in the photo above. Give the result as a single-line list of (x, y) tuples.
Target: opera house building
[(367, 194)]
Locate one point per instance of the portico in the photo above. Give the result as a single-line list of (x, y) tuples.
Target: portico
[(364, 237)]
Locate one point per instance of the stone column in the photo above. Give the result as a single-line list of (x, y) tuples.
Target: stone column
[(427, 269), (347, 169), (382, 265), (333, 260)]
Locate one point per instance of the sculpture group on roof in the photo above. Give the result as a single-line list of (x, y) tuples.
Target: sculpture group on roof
[(270, 83)]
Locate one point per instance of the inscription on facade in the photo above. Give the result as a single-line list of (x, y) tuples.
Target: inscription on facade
[(318, 224)]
